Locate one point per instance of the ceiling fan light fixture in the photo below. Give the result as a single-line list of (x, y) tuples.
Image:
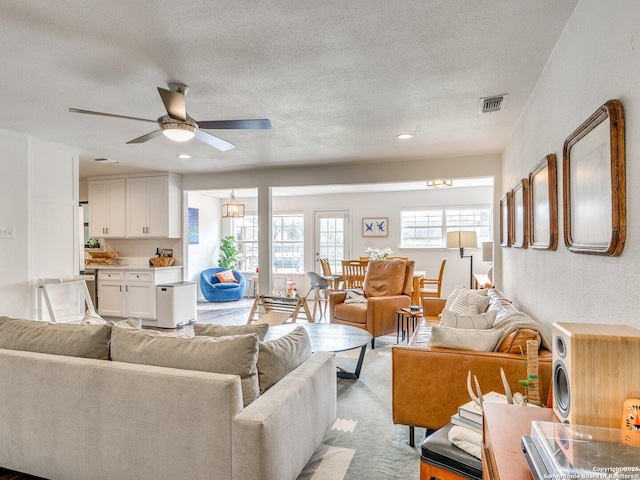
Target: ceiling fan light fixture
[(232, 209), (178, 132)]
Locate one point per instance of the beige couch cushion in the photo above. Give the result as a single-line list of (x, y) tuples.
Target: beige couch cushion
[(384, 278), (88, 341), (463, 339), (235, 355), (213, 330), (279, 357)]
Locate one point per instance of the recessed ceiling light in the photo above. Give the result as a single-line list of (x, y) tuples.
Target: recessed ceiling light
[(405, 136), (183, 155)]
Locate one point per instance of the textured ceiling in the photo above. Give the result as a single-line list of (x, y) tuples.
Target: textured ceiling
[(338, 79)]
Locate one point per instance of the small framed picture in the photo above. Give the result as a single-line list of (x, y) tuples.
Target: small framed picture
[(520, 202), (375, 227), (506, 220), (543, 200)]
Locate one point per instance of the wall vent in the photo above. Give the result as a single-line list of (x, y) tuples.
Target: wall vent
[(105, 161), (493, 104)]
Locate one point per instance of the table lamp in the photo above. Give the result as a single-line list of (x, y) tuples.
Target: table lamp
[(463, 239), (487, 256)]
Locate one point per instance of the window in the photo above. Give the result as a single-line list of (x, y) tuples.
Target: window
[(427, 228), (288, 243), (245, 231)]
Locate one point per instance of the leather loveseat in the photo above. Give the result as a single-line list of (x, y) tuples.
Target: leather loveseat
[(429, 384)]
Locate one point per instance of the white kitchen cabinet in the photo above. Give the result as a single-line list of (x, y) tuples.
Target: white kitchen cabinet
[(150, 206), (107, 208), (131, 293), (148, 212)]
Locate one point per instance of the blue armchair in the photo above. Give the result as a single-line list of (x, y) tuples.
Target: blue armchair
[(215, 291)]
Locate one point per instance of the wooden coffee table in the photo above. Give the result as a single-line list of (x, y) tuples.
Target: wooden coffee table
[(329, 337)]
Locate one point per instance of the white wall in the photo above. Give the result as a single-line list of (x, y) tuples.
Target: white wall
[(596, 59), (15, 296), (204, 254), (39, 198)]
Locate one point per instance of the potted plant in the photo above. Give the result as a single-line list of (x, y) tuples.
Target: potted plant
[(228, 252)]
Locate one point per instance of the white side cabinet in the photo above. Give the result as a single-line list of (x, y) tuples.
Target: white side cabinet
[(131, 293), (107, 208), (135, 206)]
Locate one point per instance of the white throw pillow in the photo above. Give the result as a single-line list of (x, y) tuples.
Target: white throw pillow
[(355, 295), (452, 297), (463, 339), (469, 303), (479, 321)]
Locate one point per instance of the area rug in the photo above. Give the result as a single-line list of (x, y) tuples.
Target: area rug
[(364, 443), (204, 306)]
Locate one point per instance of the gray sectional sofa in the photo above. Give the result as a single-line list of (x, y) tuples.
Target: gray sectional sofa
[(73, 418)]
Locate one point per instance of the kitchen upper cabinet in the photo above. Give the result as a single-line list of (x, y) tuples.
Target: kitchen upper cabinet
[(107, 208), (150, 206)]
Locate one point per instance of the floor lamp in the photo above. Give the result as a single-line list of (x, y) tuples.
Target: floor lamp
[(462, 240)]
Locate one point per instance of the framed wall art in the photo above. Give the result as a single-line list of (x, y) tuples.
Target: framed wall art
[(594, 186), (375, 227), (505, 220), (193, 232), (520, 202), (543, 202)]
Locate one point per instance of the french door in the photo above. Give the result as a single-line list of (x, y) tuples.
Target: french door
[(332, 238)]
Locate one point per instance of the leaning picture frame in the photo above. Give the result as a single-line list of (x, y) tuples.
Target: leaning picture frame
[(375, 227), (543, 202), (520, 202), (594, 184), (505, 220)]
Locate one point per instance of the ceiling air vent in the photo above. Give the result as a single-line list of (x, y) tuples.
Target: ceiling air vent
[(105, 161), (493, 104)]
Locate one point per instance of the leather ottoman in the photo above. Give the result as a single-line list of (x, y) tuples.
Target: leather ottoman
[(442, 460)]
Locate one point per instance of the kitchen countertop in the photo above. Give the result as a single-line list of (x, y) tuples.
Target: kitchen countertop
[(128, 267)]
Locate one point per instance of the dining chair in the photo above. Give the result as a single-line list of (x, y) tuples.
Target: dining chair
[(353, 272), (430, 282), (335, 281)]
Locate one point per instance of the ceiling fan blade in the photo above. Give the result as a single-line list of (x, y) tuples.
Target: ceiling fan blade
[(146, 137), (235, 124), (214, 141), (89, 112), (175, 104)]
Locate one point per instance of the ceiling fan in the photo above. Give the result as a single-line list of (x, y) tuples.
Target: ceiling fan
[(179, 126)]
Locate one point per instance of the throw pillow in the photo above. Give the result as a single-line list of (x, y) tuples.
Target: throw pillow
[(468, 303), (87, 341), (355, 295), (212, 330), (95, 319), (463, 339), (279, 357), (226, 276), (452, 297), (516, 342), (233, 355), (479, 321)]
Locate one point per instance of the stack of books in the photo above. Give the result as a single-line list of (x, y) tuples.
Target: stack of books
[(470, 414)]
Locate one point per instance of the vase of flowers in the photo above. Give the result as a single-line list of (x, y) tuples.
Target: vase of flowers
[(377, 254)]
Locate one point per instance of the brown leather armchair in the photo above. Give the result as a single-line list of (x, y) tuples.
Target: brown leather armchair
[(387, 288)]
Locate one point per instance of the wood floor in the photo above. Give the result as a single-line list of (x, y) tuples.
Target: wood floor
[(231, 316)]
